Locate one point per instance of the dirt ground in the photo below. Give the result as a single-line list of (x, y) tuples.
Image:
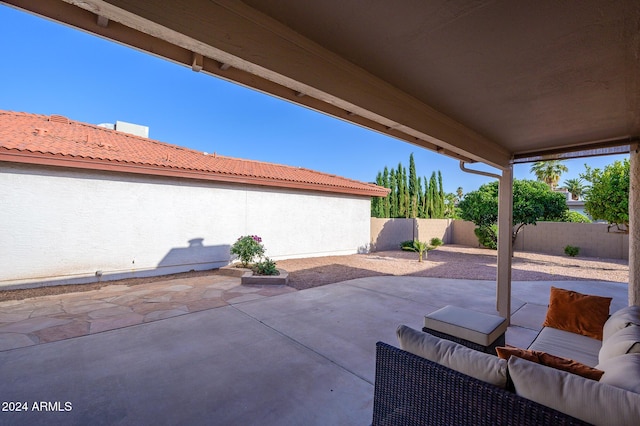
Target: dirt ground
[(449, 261)]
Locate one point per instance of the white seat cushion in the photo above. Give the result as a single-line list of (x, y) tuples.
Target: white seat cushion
[(568, 345), (476, 327)]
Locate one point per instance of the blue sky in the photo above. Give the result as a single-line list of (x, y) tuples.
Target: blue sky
[(47, 68)]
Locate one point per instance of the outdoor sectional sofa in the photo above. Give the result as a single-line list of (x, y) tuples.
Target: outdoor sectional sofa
[(433, 381)]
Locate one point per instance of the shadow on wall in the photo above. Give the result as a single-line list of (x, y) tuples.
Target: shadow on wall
[(196, 256), (393, 232)]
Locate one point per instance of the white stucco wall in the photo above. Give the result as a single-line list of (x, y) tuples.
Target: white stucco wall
[(61, 226)]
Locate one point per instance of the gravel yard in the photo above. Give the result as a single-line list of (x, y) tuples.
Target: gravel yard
[(449, 261)]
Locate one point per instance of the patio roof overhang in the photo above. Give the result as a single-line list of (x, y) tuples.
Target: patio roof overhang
[(497, 82), (479, 81)]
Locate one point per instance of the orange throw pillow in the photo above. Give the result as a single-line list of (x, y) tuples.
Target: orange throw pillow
[(557, 362), (577, 313)]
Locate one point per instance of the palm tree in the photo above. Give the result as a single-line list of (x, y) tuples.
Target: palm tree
[(549, 171), (575, 187)]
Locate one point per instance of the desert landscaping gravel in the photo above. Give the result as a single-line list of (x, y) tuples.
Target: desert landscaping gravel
[(450, 261)]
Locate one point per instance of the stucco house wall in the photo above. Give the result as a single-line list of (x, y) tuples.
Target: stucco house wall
[(62, 225)]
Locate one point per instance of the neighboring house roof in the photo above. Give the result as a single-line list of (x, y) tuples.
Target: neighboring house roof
[(57, 141)]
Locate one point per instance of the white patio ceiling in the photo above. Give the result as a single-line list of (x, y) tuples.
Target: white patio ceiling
[(494, 81)]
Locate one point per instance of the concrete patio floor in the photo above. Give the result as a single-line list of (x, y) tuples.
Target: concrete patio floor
[(300, 357)]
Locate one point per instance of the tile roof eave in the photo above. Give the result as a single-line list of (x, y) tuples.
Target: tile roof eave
[(57, 160)]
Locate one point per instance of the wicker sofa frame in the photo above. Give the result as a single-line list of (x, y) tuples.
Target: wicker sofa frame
[(410, 390)]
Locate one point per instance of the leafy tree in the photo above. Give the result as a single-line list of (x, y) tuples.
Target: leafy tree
[(532, 201), (487, 236), (575, 217), (608, 196), (549, 172), (450, 209), (481, 206), (459, 194), (575, 186)]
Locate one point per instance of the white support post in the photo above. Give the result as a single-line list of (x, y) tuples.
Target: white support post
[(505, 226), (634, 225)]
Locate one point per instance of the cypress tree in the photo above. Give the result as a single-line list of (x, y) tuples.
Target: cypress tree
[(420, 199), (440, 196), (386, 202), (425, 207), (413, 188), (393, 208), (433, 196), (400, 183), (410, 196), (376, 202), (405, 198)]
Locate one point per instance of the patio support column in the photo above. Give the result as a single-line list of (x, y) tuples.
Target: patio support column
[(505, 219), (634, 225)]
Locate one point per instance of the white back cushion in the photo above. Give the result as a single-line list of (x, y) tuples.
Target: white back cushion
[(479, 365), (584, 399)]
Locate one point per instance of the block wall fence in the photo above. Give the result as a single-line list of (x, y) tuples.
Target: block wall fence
[(594, 239)]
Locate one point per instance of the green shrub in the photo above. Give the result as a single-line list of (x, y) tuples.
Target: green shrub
[(407, 245), (572, 251), (487, 236), (266, 267), (435, 242), (419, 247), (247, 248), (575, 217)]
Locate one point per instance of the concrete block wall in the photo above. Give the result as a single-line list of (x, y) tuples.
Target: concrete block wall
[(387, 234), (593, 239), (434, 228), (463, 233)]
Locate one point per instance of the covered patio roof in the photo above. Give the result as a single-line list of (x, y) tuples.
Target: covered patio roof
[(497, 82)]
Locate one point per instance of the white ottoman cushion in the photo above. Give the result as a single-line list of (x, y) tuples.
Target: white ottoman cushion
[(477, 327)]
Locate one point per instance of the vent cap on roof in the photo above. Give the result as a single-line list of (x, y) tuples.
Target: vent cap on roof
[(58, 119), (132, 129)]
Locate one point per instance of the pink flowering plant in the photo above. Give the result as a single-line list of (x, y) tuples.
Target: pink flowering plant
[(248, 248)]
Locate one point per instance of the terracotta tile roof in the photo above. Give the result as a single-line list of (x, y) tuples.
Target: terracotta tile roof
[(58, 141)]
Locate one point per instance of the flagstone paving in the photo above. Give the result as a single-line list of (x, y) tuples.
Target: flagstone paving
[(63, 316)]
